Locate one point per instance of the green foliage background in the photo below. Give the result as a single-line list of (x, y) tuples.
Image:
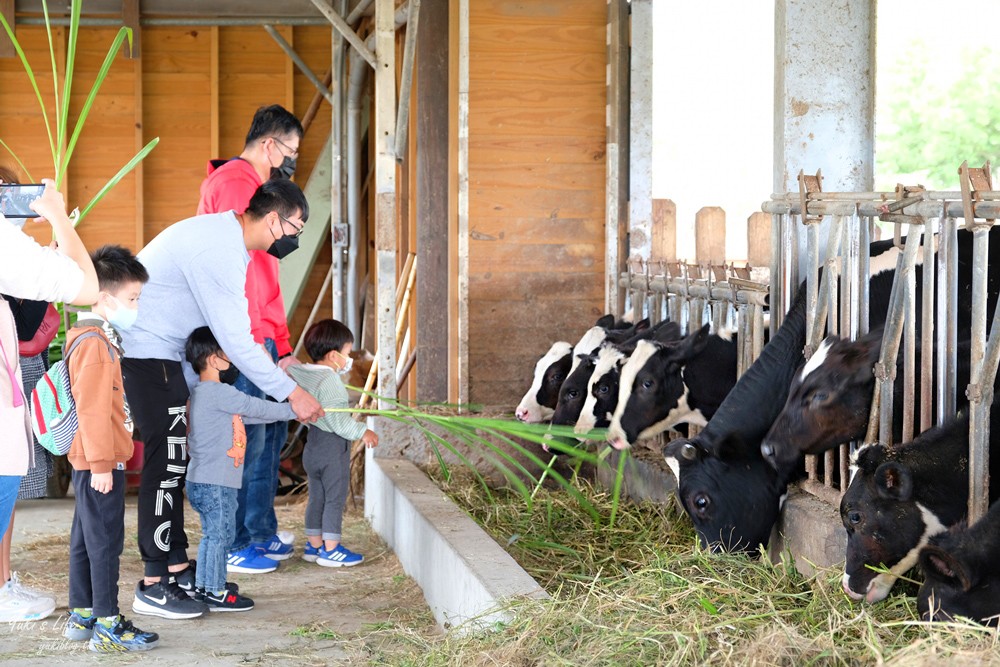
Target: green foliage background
[(927, 128)]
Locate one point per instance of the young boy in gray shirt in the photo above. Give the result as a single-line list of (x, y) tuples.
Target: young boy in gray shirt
[(216, 447)]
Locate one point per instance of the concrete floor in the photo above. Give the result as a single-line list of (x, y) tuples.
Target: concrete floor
[(304, 614)]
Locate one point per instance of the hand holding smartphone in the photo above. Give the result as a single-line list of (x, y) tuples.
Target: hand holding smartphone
[(16, 199)]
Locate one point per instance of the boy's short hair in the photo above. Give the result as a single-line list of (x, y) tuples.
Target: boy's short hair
[(200, 345), (115, 266), (273, 120), (281, 195), (327, 335), (8, 175)]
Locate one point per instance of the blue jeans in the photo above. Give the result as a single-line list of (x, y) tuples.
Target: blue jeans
[(9, 485), (255, 518), (217, 507)]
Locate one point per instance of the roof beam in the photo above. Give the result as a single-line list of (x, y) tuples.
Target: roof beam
[(341, 26)]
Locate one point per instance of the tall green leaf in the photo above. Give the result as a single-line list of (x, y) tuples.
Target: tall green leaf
[(129, 166), (14, 155), (63, 116)]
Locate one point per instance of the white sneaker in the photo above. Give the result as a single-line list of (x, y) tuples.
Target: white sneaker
[(22, 603)]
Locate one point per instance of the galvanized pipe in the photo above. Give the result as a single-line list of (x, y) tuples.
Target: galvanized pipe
[(947, 318), (361, 9), (301, 64), (979, 413), (927, 332), (989, 209), (909, 352), (776, 272), (719, 292), (341, 26)]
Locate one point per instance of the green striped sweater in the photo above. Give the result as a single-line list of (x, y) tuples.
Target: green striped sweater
[(324, 383)]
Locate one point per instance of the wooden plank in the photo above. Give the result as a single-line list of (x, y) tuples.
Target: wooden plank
[(521, 203), (664, 230), (536, 230), (527, 151), (6, 46), (130, 19), (432, 177), (617, 155), (546, 68), (139, 213), (494, 121), (710, 235), (558, 177), (213, 71), (759, 239)]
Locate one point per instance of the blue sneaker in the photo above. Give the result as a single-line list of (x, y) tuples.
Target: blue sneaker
[(274, 549), (338, 557), (121, 638), (249, 561), (311, 553), (79, 628)]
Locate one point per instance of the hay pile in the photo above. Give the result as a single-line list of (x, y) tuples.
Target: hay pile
[(643, 593)]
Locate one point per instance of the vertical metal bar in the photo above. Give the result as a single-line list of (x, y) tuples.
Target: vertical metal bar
[(758, 332), (927, 330), (776, 277), (864, 269), (909, 351), (743, 329), (812, 285), (385, 194), (947, 315), (979, 422), (829, 465)]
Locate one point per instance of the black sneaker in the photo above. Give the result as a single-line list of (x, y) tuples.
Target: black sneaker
[(166, 601), (229, 600), (185, 578)]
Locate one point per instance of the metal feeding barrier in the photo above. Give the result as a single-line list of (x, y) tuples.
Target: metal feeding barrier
[(838, 303)]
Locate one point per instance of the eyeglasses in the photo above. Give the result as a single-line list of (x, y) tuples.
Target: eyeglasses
[(291, 152), (298, 229)]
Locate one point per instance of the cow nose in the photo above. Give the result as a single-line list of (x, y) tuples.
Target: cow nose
[(521, 414), (857, 597), (619, 444)]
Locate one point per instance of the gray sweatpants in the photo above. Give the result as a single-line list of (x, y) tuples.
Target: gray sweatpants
[(327, 460)]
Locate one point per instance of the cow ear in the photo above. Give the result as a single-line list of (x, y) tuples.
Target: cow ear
[(606, 321), (943, 566), (642, 325), (730, 448), (691, 346), (893, 481), (683, 450), (667, 332)]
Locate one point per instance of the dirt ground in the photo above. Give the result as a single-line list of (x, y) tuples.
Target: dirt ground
[(304, 614)]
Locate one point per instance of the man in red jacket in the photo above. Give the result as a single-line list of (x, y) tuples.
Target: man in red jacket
[(270, 151)]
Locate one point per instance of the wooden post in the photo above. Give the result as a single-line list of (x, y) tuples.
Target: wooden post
[(385, 195), (140, 187), (7, 46), (130, 18), (213, 75), (664, 230), (432, 202), (710, 235), (759, 239), (616, 157), (463, 201)]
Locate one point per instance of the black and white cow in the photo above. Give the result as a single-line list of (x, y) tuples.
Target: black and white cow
[(962, 572), (724, 461), (900, 497), (830, 399), (539, 402), (665, 384), (542, 396)]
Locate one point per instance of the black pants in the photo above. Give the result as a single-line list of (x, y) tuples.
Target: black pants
[(95, 544), (158, 395)]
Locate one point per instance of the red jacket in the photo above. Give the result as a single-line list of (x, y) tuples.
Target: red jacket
[(229, 186)]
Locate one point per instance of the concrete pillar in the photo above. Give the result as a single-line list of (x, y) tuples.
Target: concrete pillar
[(824, 95), (640, 206)]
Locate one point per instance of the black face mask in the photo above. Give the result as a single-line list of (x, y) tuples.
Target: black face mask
[(283, 246), (230, 375), (285, 170)]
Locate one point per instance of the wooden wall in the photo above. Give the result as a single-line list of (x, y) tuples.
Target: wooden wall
[(194, 88), (536, 172)]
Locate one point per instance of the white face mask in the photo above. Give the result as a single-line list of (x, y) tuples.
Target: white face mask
[(347, 365)]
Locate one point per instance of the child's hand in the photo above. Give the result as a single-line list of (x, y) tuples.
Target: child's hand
[(370, 438), (102, 482)]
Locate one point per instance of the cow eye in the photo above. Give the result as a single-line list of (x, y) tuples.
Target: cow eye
[(819, 397), (701, 502), (557, 378), (603, 389), (646, 384), (572, 393), (854, 517)]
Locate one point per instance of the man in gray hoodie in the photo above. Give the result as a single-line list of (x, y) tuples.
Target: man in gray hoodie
[(197, 277)]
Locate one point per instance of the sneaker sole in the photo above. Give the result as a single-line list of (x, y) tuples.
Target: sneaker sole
[(310, 558), (330, 563), (240, 569), (78, 635), (39, 615), (280, 556), (147, 609), (213, 610), (119, 648)]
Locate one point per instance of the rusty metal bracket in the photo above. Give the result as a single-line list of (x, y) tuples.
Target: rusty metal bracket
[(974, 181), (809, 185)]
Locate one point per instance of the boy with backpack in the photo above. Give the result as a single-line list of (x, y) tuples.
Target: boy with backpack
[(217, 446), (101, 447)]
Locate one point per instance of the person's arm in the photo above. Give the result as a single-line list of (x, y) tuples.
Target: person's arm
[(52, 208), (92, 386)]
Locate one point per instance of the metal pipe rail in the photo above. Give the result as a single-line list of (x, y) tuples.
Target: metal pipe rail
[(988, 208), (698, 289)]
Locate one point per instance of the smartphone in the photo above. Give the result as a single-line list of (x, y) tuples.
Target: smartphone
[(14, 199)]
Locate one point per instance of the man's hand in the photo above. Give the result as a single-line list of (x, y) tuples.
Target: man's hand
[(307, 408), (102, 482), (285, 362), (370, 438)]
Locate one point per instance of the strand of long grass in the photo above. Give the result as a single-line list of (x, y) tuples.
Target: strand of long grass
[(20, 164)]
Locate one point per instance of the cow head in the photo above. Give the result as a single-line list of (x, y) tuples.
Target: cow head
[(652, 395), (573, 392), (732, 496), (550, 371), (962, 574), (828, 401), (886, 526), (602, 391)]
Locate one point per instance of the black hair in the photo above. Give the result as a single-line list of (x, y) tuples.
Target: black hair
[(327, 335), (116, 265), (273, 121), (200, 345), (8, 175), (281, 195)]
